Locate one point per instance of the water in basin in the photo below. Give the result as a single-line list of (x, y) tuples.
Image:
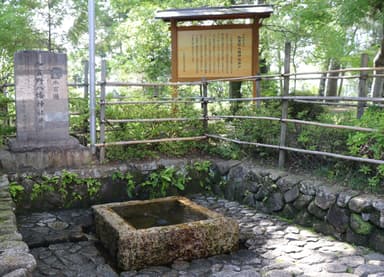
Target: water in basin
[(157, 214)]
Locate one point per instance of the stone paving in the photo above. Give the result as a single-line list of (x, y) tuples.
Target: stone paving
[(63, 245)]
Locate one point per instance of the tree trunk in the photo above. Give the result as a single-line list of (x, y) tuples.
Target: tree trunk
[(322, 84), (340, 84), (332, 82), (378, 82), (323, 80), (235, 92)]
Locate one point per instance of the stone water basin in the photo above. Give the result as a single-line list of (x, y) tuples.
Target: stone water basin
[(156, 232)]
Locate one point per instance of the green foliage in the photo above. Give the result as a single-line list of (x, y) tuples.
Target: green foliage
[(259, 131), (7, 114), (160, 182), (68, 185), (39, 189), (16, 190), (304, 111), (79, 120), (128, 178), (370, 145), (93, 187), (205, 174), (152, 130)]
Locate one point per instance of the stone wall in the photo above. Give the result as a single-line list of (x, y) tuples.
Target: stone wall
[(15, 259), (346, 214)]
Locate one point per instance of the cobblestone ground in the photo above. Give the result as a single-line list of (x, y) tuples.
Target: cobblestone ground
[(272, 248)]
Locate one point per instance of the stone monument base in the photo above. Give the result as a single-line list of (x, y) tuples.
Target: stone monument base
[(45, 158), (67, 143)]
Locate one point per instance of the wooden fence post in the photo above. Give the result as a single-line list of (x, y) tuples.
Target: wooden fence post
[(362, 85), (258, 90), (284, 111), (86, 94), (204, 105), (86, 82), (102, 108)]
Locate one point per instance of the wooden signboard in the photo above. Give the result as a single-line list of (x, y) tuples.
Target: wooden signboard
[(214, 52)]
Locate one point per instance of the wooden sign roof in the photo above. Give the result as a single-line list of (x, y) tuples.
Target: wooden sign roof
[(216, 13)]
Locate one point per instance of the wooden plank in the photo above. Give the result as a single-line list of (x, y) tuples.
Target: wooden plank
[(362, 86), (214, 53), (284, 111), (132, 142)]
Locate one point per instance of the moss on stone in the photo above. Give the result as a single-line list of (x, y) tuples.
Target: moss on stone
[(360, 226)]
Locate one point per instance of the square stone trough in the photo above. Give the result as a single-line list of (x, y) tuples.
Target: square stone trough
[(156, 232)]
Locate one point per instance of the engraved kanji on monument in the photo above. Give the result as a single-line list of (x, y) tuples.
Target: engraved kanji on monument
[(42, 116)]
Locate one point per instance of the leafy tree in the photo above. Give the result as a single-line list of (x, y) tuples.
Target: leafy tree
[(357, 13), (16, 33), (49, 19)]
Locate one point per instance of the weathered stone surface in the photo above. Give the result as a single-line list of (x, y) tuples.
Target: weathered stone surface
[(377, 215), (325, 197), (54, 228), (336, 268), (292, 194), (374, 256), (275, 175), (249, 200), (289, 212), (352, 261), (309, 187), (344, 197), (11, 236), (361, 203), (4, 181), (326, 229), (366, 269), (274, 247), (13, 247), (304, 218), (237, 174), (11, 262), (254, 187), (359, 226), (136, 248), (275, 202), (288, 182), (21, 272), (46, 158), (376, 240), (302, 201), (262, 193), (338, 218), (313, 209), (224, 166), (352, 237)]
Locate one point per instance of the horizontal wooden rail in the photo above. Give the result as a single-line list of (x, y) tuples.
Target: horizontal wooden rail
[(303, 122), (148, 102), (303, 151), (77, 84), (316, 98), (131, 142), (138, 84), (336, 104), (243, 142), (218, 117), (335, 126), (152, 120)]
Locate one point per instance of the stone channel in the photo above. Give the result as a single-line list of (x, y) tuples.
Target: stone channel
[(63, 244)]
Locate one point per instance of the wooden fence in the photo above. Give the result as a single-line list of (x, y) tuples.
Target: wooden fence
[(206, 88), (360, 102)]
